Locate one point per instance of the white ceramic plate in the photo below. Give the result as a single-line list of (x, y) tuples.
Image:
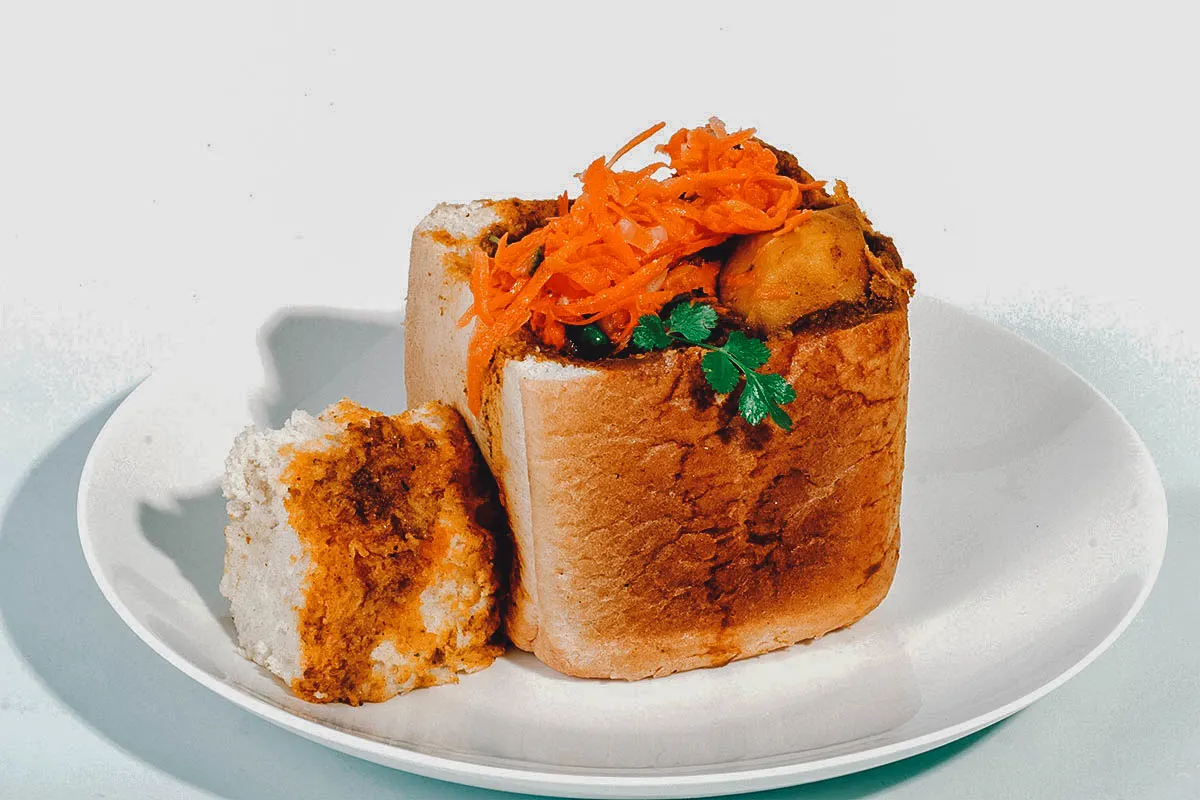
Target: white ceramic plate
[(1033, 523)]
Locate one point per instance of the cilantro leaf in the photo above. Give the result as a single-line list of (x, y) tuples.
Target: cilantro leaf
[(778, 389), (722, 375), (650, 333), (780, 417), (763, 395), (749, 353), (753, 404), (539, 256), (693, 321), (724, 366)]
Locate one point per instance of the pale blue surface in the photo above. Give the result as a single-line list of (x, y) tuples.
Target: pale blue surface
[(165, 167), (85, 708)]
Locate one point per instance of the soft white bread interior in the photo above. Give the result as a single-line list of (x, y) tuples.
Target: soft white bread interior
[(435, 369), (265, 564), (356, 565), (654, 530)]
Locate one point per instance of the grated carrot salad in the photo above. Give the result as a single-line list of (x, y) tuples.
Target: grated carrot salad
[(627, 245)]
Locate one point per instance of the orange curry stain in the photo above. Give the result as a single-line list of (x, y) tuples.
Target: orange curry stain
[(375, 512)]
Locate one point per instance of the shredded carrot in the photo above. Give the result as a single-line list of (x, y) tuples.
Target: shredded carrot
[(634, 142), (629, 243), (794, 221)]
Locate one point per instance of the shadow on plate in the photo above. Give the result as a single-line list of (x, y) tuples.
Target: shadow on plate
[(58, 621), (62, 626), (189, 534), (307, 354)]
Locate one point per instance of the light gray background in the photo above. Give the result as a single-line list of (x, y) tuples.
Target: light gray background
[(163, 171)]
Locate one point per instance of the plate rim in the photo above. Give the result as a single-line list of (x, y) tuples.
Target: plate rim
[(581, 784)]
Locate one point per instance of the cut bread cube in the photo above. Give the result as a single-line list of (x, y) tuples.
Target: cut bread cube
[(361, 552)]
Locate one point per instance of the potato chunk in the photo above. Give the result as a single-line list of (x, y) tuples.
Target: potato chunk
[(772, 282)]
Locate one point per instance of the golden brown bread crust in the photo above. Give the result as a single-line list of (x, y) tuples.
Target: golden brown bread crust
[(655, 531), (671, 536)]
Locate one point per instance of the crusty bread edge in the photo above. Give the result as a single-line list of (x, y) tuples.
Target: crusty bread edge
[(435, 369), (568, 649)]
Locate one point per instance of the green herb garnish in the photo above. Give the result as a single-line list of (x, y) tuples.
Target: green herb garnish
[(539, 256), (724, 365)]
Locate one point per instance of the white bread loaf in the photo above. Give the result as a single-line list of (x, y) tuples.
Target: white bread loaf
[(654, 530)]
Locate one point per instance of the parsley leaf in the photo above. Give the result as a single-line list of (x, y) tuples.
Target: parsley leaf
[(749, 353), (753, 404), (693, 321), (539, 256), (722, 375), (650, 334), (778, 389), (780, 417)]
